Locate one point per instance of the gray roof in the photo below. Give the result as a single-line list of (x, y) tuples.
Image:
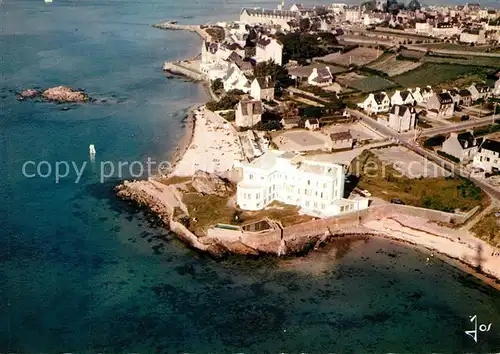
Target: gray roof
[(401, 110), (265, 82), (467, 140), (405, 94), (465, 93), (491, 145), (444, 98), (341, 136), (379, 97), (251, 107)]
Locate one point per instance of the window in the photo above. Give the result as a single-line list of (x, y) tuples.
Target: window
[(324, 185), (308, 182), (250, 176), (322, 206), (257, 196), (321, 195), (307, 203), (315, 204), (262, 177), (269, 189)]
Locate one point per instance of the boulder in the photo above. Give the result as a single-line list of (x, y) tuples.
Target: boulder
[(206, 183), (64, 94), (30, 93)]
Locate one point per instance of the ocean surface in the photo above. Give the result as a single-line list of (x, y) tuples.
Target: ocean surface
[(82, 272)]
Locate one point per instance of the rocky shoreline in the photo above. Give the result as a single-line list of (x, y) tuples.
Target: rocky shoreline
[(165, 201)]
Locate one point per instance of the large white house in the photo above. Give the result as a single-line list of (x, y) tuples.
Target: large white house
[(402, 118), (316, 187), (269, 49), (248, 113), (488, 156), (320, 77), (235, 79), (262, 88), (376, 103)]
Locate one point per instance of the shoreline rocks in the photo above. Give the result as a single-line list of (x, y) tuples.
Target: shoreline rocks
[(58, 94)]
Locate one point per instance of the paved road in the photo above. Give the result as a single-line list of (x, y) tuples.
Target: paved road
[(405, 140)]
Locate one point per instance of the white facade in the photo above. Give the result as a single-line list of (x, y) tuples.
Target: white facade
[(269, 49), (236, 80), (417, 95), (316, 187), (321, 77), (376, 103), (477, 37), (488, 156), (496, 90), (404, 97), (423, 28), (269, 17), (262, 89), (248, 113)]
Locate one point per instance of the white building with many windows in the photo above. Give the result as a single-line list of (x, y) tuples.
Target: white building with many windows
[(488, 156), (316, 187)]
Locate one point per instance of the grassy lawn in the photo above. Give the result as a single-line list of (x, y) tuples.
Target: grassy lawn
[(434, 74), (210, 210), (371, 84), (488, 230), (441, 193), (286, 214)]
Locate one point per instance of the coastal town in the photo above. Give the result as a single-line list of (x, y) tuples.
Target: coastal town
[(379, 119)]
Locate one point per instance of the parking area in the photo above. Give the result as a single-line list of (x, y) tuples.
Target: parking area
[(358, 131), (409, 163), (301, 140)]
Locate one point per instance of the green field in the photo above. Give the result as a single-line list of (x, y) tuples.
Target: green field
[(457, 47), (463, 60), (371, 84), (434, 74), (441, 193)]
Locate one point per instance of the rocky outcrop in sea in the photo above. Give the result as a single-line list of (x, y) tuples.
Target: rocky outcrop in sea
[(59, 94)]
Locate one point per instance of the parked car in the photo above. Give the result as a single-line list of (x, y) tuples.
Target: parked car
[(397, 201)]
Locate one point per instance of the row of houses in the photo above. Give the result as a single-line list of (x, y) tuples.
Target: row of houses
[(483, 153), (438, 105)]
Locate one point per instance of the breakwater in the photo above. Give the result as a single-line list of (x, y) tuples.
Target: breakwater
[(171, 25)]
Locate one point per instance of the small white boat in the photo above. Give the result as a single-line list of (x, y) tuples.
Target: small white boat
[(92, 149), (48, 1)]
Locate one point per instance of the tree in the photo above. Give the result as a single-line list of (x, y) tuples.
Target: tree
[(414, 5), (278, 73), (217, 85), (301, 47)]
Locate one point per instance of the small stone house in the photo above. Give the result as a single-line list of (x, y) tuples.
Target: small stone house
[(376, 103), (465, 97), (488, 156), (441, 105), (402, 118), (312, 124), (290, 122), (320, 77), (342, 140), (262, 88), (462, 146), (248, 113), (479, 91)]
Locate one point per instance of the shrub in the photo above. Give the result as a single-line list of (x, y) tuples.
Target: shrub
[(448, 156)]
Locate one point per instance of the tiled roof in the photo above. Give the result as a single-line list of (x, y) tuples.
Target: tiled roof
[(466, 140), (491, 145), (401, 110), (265, 82), (405, 94), (341, 136), (444, 97), (251, 107), (465, 93), (379, 97)]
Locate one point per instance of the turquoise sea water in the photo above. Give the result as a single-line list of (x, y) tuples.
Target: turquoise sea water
[(83, 272)]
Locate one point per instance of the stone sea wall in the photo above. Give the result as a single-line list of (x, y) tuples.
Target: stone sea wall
[(288, 240)]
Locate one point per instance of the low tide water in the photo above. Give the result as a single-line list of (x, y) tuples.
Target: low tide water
[(84, 272)]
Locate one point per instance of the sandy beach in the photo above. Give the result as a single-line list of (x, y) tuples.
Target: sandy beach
[(214, 146), (454, 243)]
